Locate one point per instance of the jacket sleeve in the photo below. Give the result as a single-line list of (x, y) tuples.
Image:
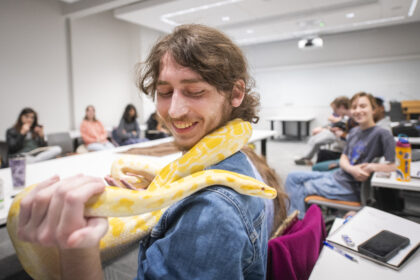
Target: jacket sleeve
[(121, 130), (14, 140), (137, 130), (40, 141)]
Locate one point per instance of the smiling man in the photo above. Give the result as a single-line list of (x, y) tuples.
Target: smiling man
[(200, 81)]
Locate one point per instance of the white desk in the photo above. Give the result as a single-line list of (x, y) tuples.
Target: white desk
[(391, 182), (262, 135), (93, 164), (331, 265), (305, 119)]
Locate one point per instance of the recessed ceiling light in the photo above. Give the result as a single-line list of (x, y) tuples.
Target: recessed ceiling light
[(350, 15), (249, 31), (225, 18), (166, 17)]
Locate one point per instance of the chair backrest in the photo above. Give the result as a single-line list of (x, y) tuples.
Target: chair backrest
[(396, 112), (3, 154), (294, 254), (61, 139)]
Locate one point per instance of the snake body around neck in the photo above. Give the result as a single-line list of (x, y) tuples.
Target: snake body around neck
[(133, 213)]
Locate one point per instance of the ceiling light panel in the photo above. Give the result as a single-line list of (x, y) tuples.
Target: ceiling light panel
[(270, 20)]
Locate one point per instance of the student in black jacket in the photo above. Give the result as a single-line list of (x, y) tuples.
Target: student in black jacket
[(26, 137)]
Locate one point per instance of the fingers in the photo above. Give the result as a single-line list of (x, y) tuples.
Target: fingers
[(68, 204), (110, 181), (88, 236), (37, 201), (54, 210)]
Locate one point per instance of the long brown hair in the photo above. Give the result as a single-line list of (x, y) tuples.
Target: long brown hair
[(212, 55), (94, 116), (270, 178), (27, 110)]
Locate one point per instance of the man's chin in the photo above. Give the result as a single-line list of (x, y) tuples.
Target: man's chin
[(183, 146)]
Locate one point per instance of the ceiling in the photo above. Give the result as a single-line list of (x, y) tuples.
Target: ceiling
[(259, 21)]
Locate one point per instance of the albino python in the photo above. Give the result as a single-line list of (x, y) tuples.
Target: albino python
[(135, 212)]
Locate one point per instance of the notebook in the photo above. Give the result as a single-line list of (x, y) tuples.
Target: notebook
[(367, 223)]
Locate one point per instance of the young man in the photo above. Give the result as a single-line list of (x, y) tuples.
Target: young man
[(365, 143), (326, 135), (213, 234)]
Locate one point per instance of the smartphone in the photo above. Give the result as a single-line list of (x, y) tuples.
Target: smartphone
[(383, 246)]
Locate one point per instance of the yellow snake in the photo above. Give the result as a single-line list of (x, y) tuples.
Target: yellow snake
[(135, 212)]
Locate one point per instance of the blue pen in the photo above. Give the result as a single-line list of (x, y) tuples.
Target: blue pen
[(341, 252)]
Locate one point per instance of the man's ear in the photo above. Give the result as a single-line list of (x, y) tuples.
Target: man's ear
[(238, 93)]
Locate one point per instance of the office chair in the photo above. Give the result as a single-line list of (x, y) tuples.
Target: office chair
[(366, 198), (63, 140), (3, 154)]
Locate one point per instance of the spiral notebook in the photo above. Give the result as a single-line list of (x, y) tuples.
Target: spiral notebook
[(367, 223)]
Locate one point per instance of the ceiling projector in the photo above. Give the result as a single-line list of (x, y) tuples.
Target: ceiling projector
[(310, 43)]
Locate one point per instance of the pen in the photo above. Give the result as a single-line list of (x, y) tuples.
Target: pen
[(341, 252)]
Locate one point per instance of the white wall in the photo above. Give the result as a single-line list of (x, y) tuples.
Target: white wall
[(384, 62), (104, 52), (148, 38), (33, 67)]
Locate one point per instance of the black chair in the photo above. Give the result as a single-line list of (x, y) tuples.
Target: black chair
[(3, 154), (396, 113)]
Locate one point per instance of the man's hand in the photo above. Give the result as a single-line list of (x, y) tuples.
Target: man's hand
[(337, 131), (360, 172), (369, 167), (52, 214), (317, 130)]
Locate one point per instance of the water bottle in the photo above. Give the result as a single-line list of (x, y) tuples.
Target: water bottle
[(403, 152)]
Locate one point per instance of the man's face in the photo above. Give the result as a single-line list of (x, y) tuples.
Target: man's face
[(190, 107), (342, 111)]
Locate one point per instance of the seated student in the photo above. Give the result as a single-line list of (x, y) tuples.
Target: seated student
[(155, 128), (380, 118), (93, 132), (325, 135), (365, 143), (26, 136), (128, 131), (216, 233), (329, 159)]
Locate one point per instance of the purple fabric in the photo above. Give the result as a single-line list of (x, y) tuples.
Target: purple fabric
[(294, 254)]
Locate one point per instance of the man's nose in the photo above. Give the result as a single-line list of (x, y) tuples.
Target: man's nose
[(179, 105)]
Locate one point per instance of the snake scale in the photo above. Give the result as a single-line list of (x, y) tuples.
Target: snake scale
[(133, 213)]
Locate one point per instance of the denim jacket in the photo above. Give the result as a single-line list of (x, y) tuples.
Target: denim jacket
[(215, 233)]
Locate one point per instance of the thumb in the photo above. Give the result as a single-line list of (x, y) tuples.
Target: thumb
[(90, 235)]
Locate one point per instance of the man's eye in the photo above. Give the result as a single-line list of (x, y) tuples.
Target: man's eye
[(164, 94), (196, 93)]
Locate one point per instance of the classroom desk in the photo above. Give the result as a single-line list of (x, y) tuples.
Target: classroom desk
[(300, 119), (262, 135), (391, 182), (94, 164), (331, 265)]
